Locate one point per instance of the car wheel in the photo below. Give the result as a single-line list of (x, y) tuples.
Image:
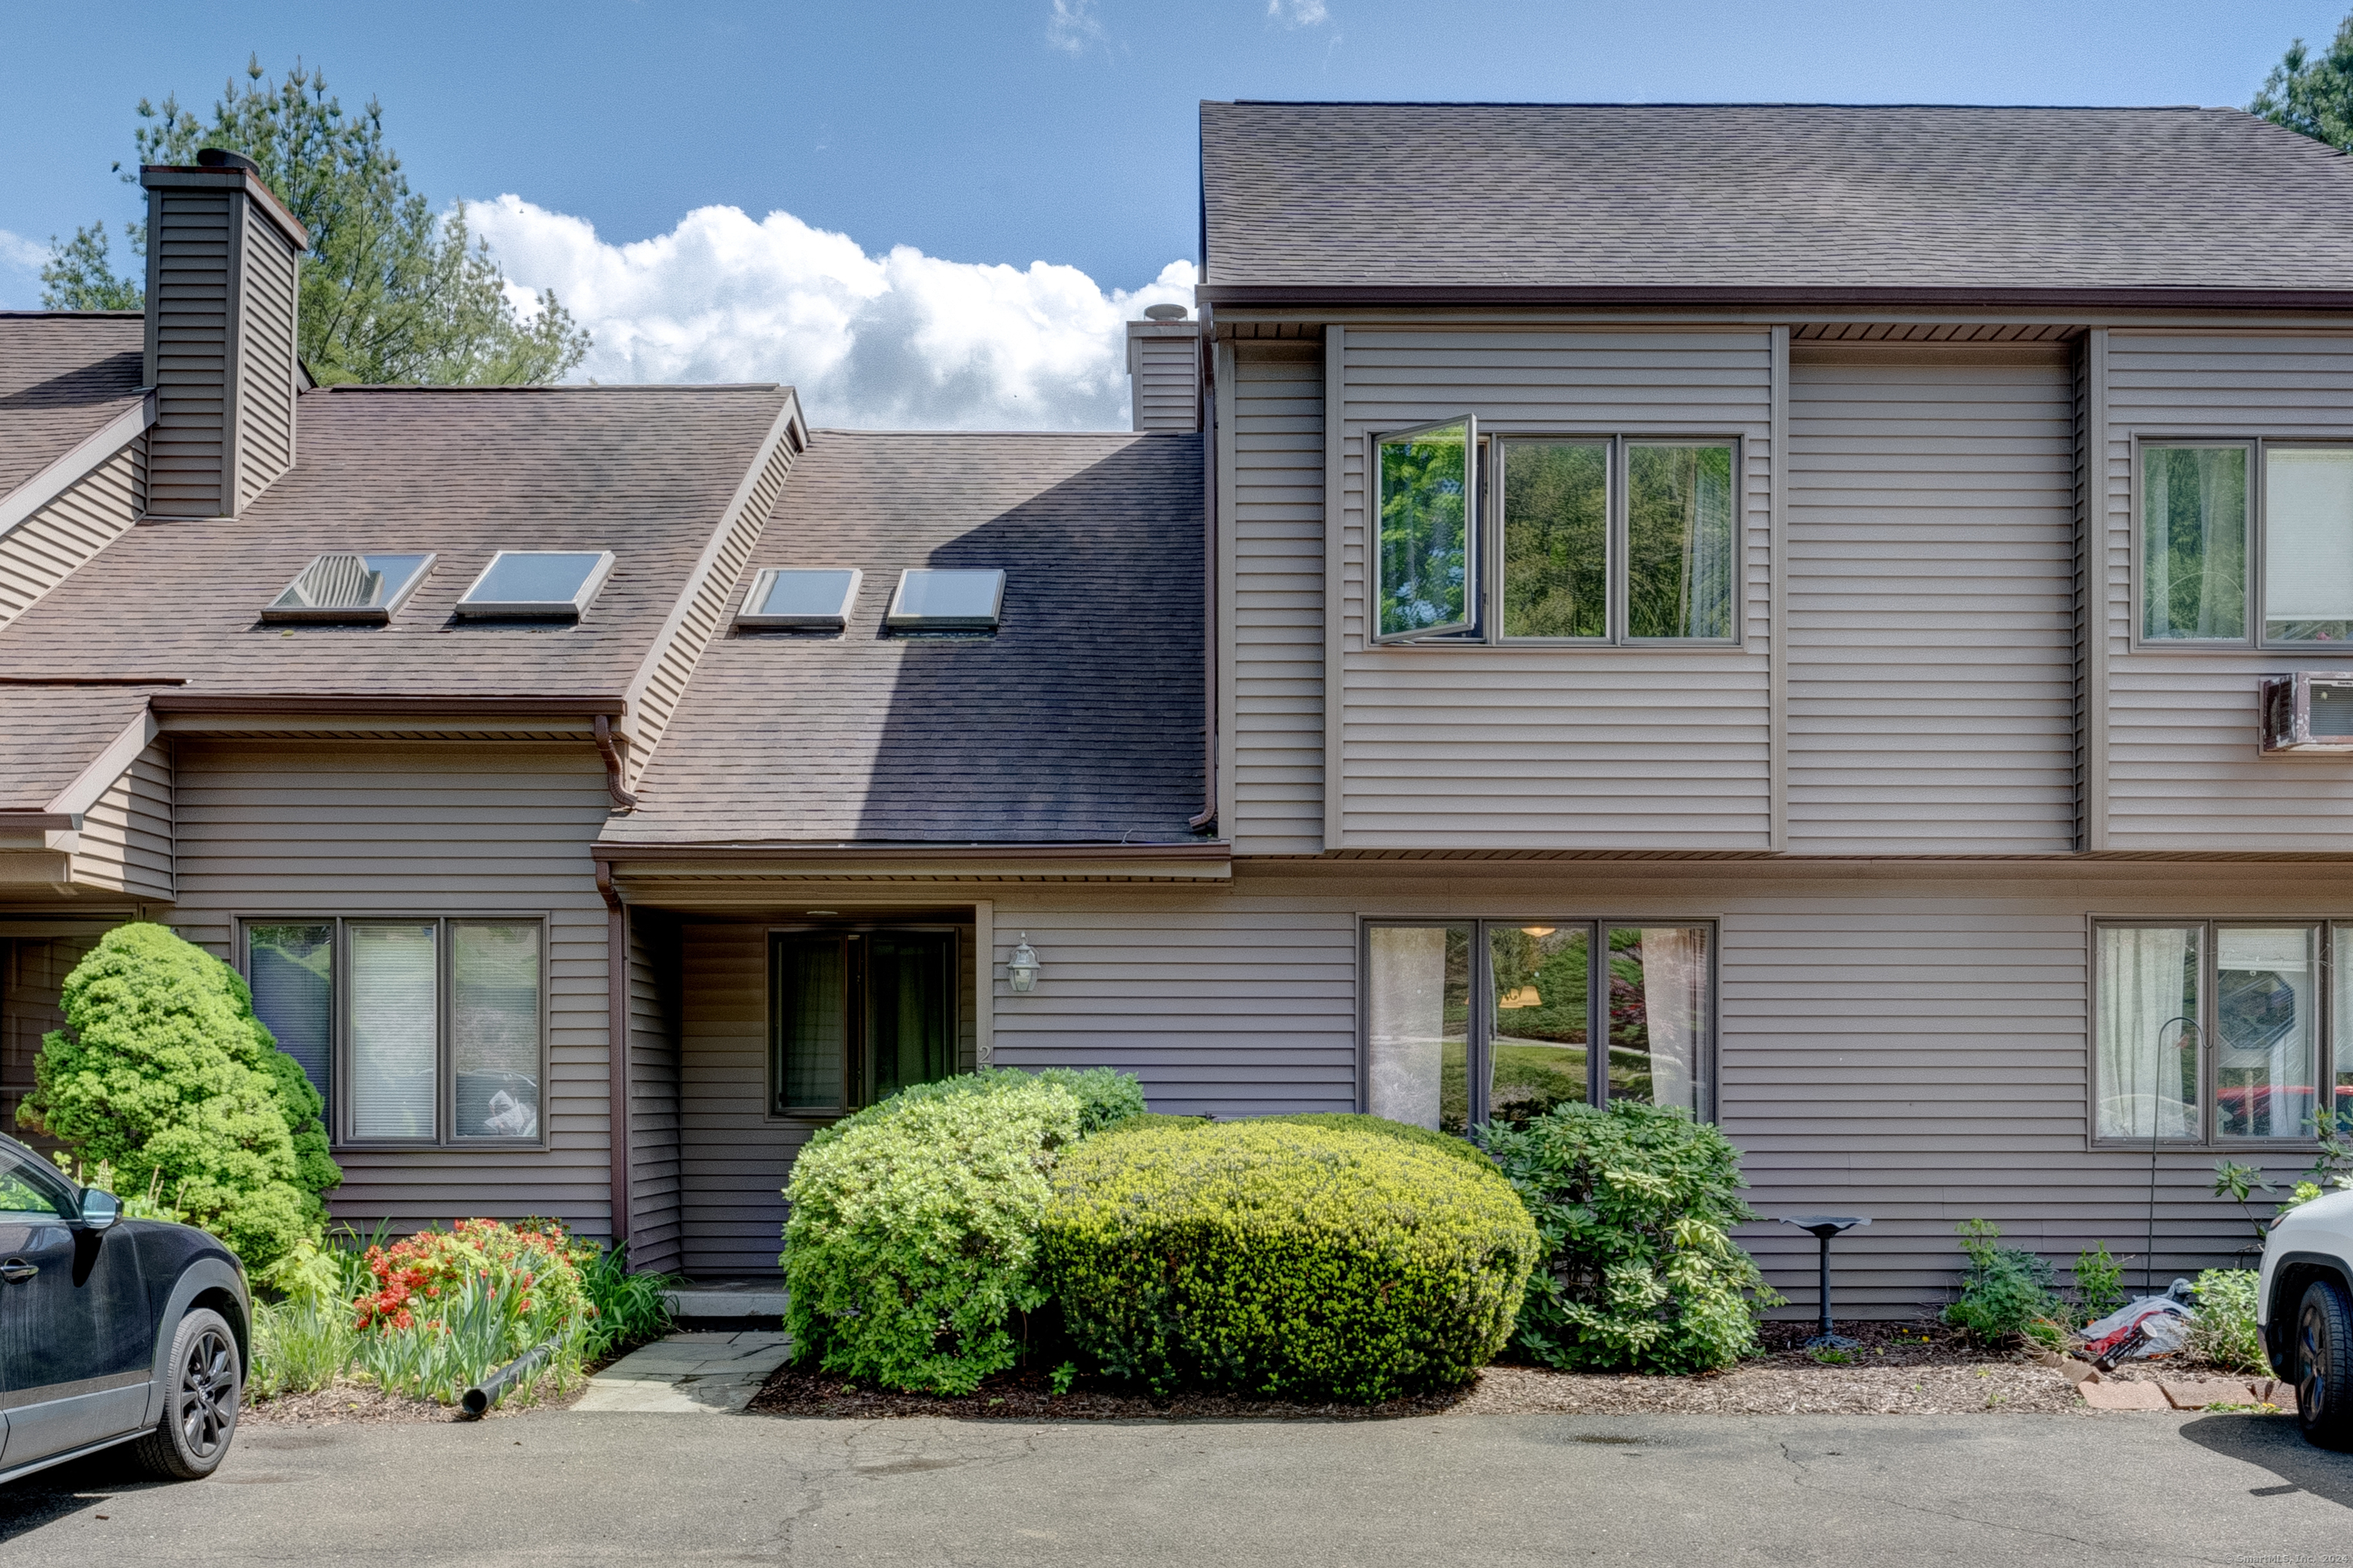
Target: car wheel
[(2324, 1365), (200, 1400)]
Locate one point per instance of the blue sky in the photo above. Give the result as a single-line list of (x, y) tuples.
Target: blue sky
[(977, 136)]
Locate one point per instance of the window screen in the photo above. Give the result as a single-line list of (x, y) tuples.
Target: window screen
[(292, 969), (1424, 566), (2307, 544), (553, 583), (344, 585), (494, 990), (800, 598), (945, 599), (2193, 555)]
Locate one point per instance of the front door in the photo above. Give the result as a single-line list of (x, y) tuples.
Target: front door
[(859, 1015), (77, 1347)]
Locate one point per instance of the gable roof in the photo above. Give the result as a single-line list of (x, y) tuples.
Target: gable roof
[(64, 376), (1080, 721), (1341, 201), (645, 471), (49, 737)]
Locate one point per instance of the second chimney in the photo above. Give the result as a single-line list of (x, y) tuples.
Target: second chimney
[(221, 288), (1163, 370)]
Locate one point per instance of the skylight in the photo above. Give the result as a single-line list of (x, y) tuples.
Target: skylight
[(552, 584), (800, 598), (343, 585), (933, 599)]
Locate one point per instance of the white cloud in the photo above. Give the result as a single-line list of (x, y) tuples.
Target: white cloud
[(20, 253), (1298, 13), (900, 341), (1074, 25)]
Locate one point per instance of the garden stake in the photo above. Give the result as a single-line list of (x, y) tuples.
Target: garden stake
[(2148, 1247)]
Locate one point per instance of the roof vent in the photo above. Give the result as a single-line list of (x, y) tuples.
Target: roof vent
[(222, 158), (1164, 312)]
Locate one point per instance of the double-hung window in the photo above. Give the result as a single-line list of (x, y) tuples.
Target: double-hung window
[(414, 1031), (1515, 537), (2246, 543), (1472, 1021), (2220, 1031)]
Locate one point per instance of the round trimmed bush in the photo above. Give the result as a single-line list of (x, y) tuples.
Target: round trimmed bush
[(1274, 1258)]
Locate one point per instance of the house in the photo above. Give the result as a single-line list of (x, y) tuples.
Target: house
[(1763, 609)]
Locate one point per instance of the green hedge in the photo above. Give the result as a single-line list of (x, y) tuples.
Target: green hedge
[(1107, 1097), (1275, 1258)]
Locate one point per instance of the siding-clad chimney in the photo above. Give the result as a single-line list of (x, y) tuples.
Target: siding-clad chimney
[(1163, 370), (220, 335)]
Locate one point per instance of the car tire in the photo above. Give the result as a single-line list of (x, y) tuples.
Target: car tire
[(204, 1380), (2324, 1365)]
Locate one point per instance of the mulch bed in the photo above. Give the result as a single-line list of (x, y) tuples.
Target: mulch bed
[(347, 1402), (1911, 1368)]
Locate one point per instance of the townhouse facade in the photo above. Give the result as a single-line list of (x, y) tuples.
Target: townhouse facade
[(1767, 610)]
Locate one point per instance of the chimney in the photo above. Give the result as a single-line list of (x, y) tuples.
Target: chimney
[(1164, 369), (221, 269)]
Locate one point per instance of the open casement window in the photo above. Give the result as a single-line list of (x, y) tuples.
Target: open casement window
[(1473, 1021), (2211, 1031), (856, 1016), (1425, 550)]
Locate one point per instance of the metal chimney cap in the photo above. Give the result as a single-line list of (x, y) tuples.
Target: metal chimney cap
[(1164, 312), (222, 158)]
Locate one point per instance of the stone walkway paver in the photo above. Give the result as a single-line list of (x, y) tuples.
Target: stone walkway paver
[(707, 1373)]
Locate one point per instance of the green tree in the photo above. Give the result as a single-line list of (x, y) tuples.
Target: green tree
[(2312, 94), (164, 1073), (390, 292)]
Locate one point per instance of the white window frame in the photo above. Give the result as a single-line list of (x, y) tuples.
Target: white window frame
[(763, 582), (572, 609)]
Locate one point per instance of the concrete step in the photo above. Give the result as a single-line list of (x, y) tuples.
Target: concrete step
[(727, 1299)]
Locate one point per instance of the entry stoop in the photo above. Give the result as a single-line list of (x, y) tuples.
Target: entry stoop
[(742, 1303)]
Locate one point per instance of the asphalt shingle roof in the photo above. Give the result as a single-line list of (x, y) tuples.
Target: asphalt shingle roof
[(1079, 721), (63, 377), (644, 472), (1768, 195), (49, 733)]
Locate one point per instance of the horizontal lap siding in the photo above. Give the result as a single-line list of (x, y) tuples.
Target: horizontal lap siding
[(1558, 749), (266, 375), (126, 835), (2183, 772), (425, 828), (655, 1232), (189, 330), (43, 550), (1931, 600), (1278, 612), (1168, 384)]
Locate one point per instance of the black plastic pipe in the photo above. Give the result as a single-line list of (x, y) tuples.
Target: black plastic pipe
[(475, 1401)]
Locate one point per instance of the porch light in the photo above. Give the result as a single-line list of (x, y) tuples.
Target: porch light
[(1021, 968)]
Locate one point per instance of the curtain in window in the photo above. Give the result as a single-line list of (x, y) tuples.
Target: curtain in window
[(2308, 543), (292, 971), (1679, 541), (908, 1017), (2264, 1013), (494, 1028), (395, 1009), (811, 995), (1419, 1024), (2194, 542), (2147, 978)]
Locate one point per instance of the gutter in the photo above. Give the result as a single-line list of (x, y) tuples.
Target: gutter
[(1824, 296), (786, 854), (363, 704), (1206, 341)]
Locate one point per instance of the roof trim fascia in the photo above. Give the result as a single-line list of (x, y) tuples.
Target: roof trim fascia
[(104, 769), (63, 473), (785, 854), (362, 704), (1759, 296), (741, 862)]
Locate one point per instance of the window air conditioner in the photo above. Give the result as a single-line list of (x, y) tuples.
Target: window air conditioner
[(2305, 712)]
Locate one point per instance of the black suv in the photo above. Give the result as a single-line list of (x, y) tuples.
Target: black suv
[(111, 1331)]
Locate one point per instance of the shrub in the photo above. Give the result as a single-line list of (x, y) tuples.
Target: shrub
[(446, 1308), (1107, 1097), (628, 1308), (165, 1074), (914, 1234), (1638, 1273), (1280, 1259), (2099, 1284), (2006, 1294), (1422, 1137), (2222, 1330)]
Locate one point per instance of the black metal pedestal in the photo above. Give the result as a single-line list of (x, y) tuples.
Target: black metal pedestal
[(1824, 1227)]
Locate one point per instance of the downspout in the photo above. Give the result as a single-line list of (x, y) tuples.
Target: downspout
[(617, 1037), (1208, 348), (606, 744)]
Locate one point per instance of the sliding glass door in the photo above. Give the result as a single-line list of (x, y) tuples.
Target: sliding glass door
[(856, 1016)]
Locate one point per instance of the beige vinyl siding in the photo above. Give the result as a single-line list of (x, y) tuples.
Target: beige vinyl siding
[(190, 235), (47, 547), (655, 1232), (266, 372), (33, 970), (1931, 706), (1277, 575), (1168, 391), (657, 692), (1558, 748), (126, 835), (425, 828), (2183, 772)]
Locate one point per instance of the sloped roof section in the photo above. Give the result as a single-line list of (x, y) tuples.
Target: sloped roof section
[(51, 735), (1317, 196), (64, 376), (644, 472), (1079, 721)]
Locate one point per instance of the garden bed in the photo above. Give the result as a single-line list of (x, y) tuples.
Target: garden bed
[(344, 1404)]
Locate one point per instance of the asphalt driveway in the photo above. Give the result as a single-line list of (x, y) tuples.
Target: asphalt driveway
[(576, 1487)]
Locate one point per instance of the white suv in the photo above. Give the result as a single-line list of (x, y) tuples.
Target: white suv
[(2304, 1303)]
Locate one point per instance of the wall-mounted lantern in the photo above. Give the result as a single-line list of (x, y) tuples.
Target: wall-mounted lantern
[(1021, 968)]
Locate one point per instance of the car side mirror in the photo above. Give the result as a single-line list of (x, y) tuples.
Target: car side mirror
[(99, 1210)]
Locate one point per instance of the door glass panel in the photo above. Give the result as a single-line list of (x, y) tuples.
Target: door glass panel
[(810, 993), (2193, 553), (1425, 531), (2264, 1012), (1418, 1024), (2307, 544), (1542, 978), (494, 1027), (394, 1008), (1556, 538), (1659, 1013), (292, 971), (910, 1009), (2149, 1008), (1680, 555)]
